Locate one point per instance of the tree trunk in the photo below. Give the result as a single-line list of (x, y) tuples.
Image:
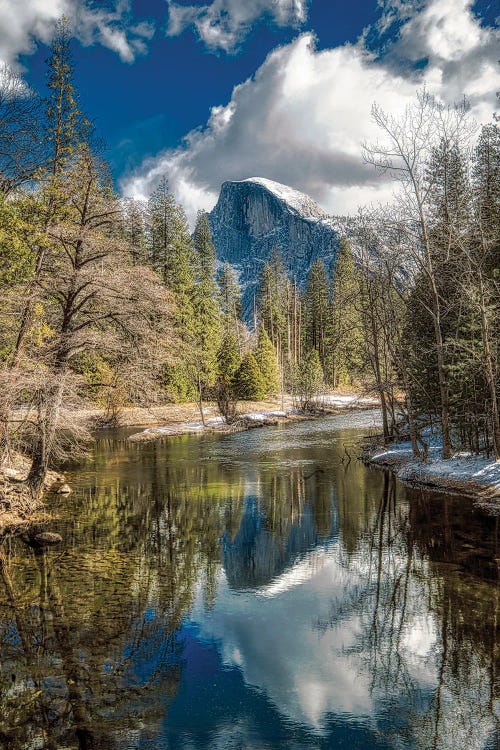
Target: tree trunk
[(436, 315), (200, 402), (490, 372), (377, 372), (48, 417)]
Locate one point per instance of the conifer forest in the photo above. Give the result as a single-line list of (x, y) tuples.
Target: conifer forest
[(171, 577), (115, 302)]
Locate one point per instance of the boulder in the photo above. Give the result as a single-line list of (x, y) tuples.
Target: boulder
[(64, 489), (46, 539), (60, 487)]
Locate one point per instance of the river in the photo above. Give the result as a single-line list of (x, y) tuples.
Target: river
[(259, 591)]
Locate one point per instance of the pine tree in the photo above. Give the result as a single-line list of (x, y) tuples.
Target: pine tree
[(65, 124), (231, 307), (204, 246), (483, 266), (249, 382), (317, 306), (272, 300), (309, 379), (230, 294), (206, 309), (134, 230), (65, 131), (169, 242), (486, 175), (449, 206), (344, 332), (265, 356), (228, 363), (228, 358), (172, 255)]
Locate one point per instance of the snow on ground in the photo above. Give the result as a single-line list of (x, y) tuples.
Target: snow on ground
[(348, 401), (187, 428), (260, 416), (335, 401), (461, 468)]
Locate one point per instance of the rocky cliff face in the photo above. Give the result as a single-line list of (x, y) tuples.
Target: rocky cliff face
[(254, 216)]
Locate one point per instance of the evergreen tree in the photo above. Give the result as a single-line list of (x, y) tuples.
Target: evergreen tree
[(294, 324), (172, 255), (248, 382), (230, 295), (344, 332), (64, 121), (486, 184), (265, 356), (231, 307), (309, 379), (169, 241), (272, 300), (134, 230), (449, 206), (317, 306), (228, 363), (483, 267), (228, 358), (204, 246), (206, 309), (65, 131)]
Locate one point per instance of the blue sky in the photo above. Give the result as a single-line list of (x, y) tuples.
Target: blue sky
[(151, 104), (282, 87)]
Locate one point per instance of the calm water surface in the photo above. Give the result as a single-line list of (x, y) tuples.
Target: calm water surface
[(252, 592)]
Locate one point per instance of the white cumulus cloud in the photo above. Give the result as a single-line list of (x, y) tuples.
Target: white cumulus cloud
[(222, 24), (22, 24), (301, 118)]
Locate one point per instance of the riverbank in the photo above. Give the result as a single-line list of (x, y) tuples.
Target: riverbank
[(465, 473), (18, 507), (175, 420)]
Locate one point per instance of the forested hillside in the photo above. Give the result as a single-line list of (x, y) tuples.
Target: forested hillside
[(116, 302)]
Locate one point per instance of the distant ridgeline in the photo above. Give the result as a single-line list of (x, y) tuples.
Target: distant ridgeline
[(256, 216)]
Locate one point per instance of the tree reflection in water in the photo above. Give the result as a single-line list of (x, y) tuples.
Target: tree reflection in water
[(429, 608), (263, 542)]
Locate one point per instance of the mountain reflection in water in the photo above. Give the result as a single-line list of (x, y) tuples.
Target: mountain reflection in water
[(255, 591)]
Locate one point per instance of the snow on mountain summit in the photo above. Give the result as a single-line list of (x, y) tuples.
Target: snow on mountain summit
[(255, 217), (300, 202)]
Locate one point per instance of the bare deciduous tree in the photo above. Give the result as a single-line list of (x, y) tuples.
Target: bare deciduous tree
[(405, 155), (21, 140), (94, 299)]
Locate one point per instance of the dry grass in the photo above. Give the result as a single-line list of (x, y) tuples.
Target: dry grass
[(174, 414)]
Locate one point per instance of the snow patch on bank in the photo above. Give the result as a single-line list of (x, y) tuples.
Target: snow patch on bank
[(348, 402), (461, 470), (259, 416)]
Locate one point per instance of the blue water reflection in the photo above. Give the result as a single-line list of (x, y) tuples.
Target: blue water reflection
[(262, 591)]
